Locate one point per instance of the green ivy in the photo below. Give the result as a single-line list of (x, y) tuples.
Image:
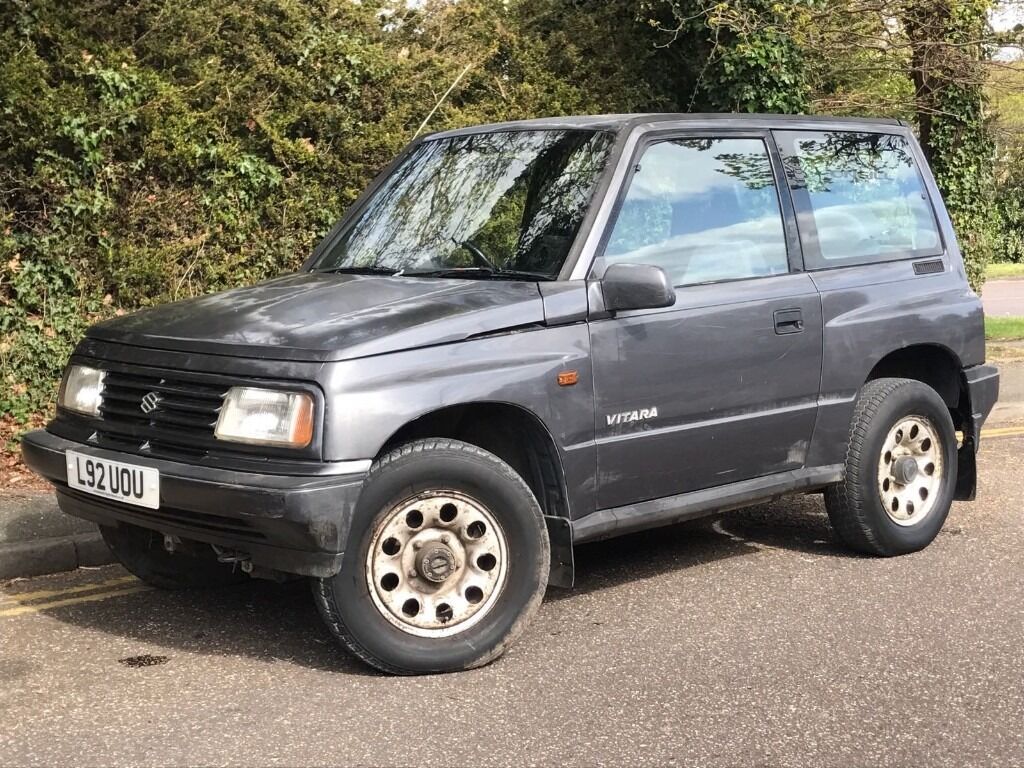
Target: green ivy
[(959, 141), (754, 64), (156, 150), (1010, 205)]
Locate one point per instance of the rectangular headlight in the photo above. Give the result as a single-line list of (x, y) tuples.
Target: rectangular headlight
[(266, 417), (82, 390)]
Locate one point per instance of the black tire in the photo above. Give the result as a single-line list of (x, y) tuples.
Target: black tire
[(345, 602), (141, 552), (854, 506)]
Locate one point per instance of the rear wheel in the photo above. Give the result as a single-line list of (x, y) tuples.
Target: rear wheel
[(900, 470), (141, 551), (448, 561)]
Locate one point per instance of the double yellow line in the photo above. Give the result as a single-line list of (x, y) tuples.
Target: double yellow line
[(1002, 431), (21, 603)]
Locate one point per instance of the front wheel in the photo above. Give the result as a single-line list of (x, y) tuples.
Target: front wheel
[(448, 561), (900, 470)]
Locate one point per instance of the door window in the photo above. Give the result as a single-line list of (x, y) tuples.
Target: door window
[(866, 196), (703, 210)]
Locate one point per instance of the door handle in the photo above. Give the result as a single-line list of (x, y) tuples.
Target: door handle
[(788, 321)]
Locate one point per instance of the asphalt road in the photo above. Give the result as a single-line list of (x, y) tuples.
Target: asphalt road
[(750, 638), (1003, 298)]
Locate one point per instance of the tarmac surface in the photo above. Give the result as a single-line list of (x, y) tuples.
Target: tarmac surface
[(1003, 298), (746, 638)]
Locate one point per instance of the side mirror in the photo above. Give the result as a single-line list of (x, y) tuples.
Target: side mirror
[(636, 286)]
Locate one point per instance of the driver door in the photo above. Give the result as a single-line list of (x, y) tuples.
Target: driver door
[(722, 386)]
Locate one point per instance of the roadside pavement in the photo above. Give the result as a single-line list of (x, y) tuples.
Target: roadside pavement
[(1008, 356), (37, 538)]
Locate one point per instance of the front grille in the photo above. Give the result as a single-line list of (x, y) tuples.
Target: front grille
[(159, 414)]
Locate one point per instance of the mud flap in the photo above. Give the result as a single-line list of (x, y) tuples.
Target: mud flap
[(563, 571), (966, 471)]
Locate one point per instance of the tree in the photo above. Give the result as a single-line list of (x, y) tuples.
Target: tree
[(752, 61), (154, 150), (923, 60), (948, 42)]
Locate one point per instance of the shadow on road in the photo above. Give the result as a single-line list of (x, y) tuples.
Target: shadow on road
[(797, 524), (279, 622)]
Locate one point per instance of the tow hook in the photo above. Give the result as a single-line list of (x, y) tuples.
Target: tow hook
[(244, 561), (233, 556)]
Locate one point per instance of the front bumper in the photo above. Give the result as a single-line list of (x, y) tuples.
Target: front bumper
[(293, 524)]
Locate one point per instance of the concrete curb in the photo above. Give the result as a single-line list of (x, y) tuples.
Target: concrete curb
[(36, 538)]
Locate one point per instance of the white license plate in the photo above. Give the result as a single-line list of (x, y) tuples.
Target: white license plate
[(127, 483)]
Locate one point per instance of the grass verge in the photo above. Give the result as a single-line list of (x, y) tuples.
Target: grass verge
[(1004, 271), (1004, 328)]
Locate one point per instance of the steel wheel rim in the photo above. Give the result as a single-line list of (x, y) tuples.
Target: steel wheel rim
[(437, 563), (910, 470)]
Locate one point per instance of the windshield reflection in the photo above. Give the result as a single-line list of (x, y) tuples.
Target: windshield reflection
[(502, 203)]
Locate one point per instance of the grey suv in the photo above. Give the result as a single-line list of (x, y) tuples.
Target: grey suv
[(531, 335)]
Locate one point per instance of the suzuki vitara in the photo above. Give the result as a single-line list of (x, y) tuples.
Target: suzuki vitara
[(527, 336)]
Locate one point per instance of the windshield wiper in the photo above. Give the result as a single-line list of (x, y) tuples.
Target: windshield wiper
[(481, 272), (361, 271)]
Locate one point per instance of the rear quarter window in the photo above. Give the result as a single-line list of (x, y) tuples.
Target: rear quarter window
[(861, 196)]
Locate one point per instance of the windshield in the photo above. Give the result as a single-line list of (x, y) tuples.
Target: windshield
[(502, 204)]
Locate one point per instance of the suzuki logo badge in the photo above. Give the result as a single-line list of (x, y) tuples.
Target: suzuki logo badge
[(150, 401)]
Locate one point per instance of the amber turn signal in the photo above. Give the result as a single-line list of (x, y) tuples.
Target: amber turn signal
[(302, 428), (568, 378)]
